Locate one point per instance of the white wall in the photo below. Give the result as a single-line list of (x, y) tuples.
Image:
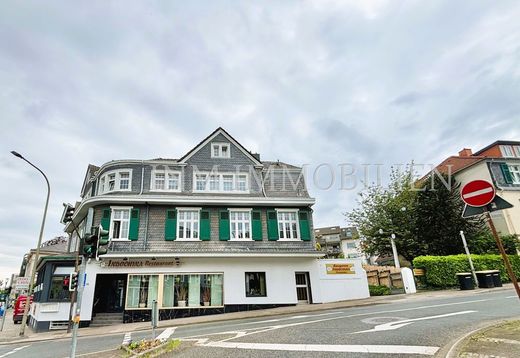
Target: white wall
[(280, 278), (341, 287)]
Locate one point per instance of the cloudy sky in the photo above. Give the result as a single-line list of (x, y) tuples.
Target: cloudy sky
[(305, 82)]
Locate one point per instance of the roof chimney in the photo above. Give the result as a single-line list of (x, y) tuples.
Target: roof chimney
[(465, 152)]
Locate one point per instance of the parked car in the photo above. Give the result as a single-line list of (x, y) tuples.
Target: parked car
[(19, 306)]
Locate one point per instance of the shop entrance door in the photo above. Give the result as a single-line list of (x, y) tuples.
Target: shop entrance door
[(109, 295), (302, 287)]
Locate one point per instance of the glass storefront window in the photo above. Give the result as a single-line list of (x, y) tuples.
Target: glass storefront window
[(142, 290), (59, 291), (192, 290)]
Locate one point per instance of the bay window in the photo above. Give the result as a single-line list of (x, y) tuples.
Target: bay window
[(118, 180)]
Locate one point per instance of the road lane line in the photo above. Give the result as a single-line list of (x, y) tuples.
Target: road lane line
[(166, 333), (14, 351), (341, 348), (398, 324), (127, 339), (269, 328)]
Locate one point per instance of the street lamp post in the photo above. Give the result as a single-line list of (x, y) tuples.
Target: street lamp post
[(394, 249), (37, 254)]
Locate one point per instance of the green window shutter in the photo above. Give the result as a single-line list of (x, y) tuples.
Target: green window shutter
[(272, 225), (105, 220), (133, 231), (305, 231), (223, 227), (256, 224), (204, 225), (170, 225), (507, 174)]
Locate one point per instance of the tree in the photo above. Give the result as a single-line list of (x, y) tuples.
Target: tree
[(425, 217), (438, 217), (388, 210)]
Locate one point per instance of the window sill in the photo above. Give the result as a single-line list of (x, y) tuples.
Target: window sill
[(111, 239), (297, 239), (178, 239)]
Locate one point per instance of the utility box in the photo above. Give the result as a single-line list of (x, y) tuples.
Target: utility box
[(408, 280)]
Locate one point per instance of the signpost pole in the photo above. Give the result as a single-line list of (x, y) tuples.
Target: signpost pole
[(394, 251), (77, 312), (503, 253), (155, 317), (469, 256)]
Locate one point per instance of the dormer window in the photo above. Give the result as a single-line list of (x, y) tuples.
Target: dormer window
[(220, 150), (165, 179), (118, 180)]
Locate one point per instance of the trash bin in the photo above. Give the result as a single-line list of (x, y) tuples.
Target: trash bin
[(497, 282), (485, 279), (465, 281)]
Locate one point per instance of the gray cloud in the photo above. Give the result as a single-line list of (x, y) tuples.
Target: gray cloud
[(303, 82)]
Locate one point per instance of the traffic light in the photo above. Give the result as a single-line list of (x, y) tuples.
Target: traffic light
[(103, 241), (73, 281), (90, 242), (68, 213)]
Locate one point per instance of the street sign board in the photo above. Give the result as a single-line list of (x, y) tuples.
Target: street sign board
[(478, 193), (22, 283), (497, 204)]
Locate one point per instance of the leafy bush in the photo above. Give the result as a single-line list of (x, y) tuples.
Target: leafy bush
[(440, 271), (378, 290)]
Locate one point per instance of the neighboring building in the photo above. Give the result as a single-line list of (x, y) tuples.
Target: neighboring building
[(57, 246), (217, 230), (339, 242), (498, 163)]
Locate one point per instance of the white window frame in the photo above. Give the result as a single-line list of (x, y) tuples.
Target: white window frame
[(185, 209), (166, 173), (516, 151), (219, 146), (507, 151), (515, 173), (208, 179), (296, 212), (104, 183), (112, 208), (235, 223)]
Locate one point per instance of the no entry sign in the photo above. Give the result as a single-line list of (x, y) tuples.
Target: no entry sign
[(478, 193)]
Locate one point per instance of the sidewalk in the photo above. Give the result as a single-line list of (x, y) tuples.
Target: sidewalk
[(498, 341), (10, 334)]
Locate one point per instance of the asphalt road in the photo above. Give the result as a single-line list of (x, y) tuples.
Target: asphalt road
[(408, 328)]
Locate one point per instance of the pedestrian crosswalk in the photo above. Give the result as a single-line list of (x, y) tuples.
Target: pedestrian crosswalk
[(127, 339), (166, 334)]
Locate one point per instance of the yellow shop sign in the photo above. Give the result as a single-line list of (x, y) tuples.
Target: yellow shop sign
[(340, 269)]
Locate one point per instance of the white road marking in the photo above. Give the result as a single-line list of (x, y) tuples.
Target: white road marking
[(14, 351), (166, 333), (398, 324), (270, 328), (343, 348), (477, 193), (127, 339)]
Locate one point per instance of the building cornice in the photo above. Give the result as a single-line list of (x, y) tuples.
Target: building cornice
[(208, 254)]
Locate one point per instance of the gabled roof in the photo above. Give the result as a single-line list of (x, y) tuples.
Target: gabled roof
[(91, 169), (208, 139), (457, 163)]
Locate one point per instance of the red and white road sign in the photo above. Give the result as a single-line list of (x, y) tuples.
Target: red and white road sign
[(478, 193)]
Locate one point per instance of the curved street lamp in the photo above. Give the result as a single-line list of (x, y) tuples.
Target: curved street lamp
[(37, 254)]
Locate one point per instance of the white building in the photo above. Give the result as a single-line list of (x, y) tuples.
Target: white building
[(217, 230)]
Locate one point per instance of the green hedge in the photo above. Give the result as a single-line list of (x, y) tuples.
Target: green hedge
[(380, 290), (440, 270)]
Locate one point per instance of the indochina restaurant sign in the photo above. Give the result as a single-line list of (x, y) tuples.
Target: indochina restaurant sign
[(139, 263), (340, 269)]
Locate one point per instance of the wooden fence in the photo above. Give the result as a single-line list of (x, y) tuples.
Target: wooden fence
[(384, 275)]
